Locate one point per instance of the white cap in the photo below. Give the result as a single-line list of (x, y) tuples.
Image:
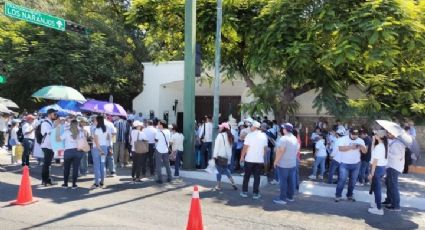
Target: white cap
[(137, 123), (256, 124)]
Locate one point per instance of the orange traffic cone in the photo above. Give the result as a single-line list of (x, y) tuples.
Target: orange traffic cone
[(195, 216), (25, 191)]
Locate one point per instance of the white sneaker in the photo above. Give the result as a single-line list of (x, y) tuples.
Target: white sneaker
[(335, 177), (359, 184), (376, 211), (372, 204), (279, 201), (312, 177), (274, 182), (320, 177)]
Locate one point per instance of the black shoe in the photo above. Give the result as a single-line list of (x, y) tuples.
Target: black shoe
[(51, 183), (234, 187), (64, 186), (351, 199), (158, 181), (169, 180), (101, 184), (74, 186), (386, 203)]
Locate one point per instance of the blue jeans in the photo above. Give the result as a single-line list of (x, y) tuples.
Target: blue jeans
[(98, 165), (206, 156), (332, 169), (320, 161), (223, 170), (350, 171), (393, 194), (71, 157), (286, 182), (110, 160), (84, 163), (364, 171), (377, 186), (28, 147), (179, 157)]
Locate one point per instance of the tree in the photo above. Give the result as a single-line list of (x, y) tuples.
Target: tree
[(107, 61), (303, 45), (330, 45)]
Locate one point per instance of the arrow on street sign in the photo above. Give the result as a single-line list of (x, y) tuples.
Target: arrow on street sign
[(33, 16)]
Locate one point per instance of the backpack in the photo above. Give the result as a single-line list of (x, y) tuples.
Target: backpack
[(20, 134), (38, 136)]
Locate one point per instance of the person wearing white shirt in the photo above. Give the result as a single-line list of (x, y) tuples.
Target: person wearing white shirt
[(223, 154), (28, 130), (150, 133), (101, 143), (395, 166), (138, 158), (72, 156), (112, 133), (46, 128), (205, 135), (349, 147), (252, 156), (335, 156), (162, 138), (320, 159), (176, 142), (379, 161)]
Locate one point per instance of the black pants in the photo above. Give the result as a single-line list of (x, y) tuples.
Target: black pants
[(2, 139), (150, 160), (45, 173), (137, 164), (252, 168), (71, 157)]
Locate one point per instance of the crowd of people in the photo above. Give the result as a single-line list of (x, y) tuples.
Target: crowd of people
[(250, 147)]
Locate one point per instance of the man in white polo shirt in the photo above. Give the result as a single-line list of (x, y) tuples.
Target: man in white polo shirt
[(395, 166), (349, 148), (252, 157)]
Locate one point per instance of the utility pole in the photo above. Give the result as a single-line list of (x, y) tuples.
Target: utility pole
[(189, 84), (217, 77)]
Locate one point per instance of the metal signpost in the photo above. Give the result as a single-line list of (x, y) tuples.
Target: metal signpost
[(33, 16)]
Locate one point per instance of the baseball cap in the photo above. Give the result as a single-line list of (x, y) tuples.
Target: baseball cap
[(288, 126), (256, 124), (224, 125), (137, 123), (29, 117), (49, 111), (340, 132)]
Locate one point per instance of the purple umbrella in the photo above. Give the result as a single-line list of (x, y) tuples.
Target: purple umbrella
[(104, 107)]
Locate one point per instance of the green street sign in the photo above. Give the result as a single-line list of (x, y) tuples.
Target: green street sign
[(2, 79), (33, 16)]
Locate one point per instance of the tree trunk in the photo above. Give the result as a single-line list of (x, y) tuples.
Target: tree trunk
[(286, 97)]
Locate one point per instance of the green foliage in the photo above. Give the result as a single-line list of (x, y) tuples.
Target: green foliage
[(302, 45), (107, 61)]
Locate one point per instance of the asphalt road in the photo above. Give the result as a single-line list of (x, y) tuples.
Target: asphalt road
[(122, 205)]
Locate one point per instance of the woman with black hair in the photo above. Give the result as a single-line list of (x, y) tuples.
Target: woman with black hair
[(223, 154), (99, 151), (379, 161)]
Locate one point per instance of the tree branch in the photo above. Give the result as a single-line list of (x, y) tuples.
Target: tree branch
[(305, 88)]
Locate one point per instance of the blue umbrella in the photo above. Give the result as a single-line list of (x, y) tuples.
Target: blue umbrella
[(69, 105), (60, 112)]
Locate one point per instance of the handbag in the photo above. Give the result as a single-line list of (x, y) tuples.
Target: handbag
[(82, 144), (141, 146), (173, 155)]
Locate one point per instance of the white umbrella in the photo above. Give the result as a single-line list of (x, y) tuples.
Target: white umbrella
[(4, 109), (396, 130), (8, 103)]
